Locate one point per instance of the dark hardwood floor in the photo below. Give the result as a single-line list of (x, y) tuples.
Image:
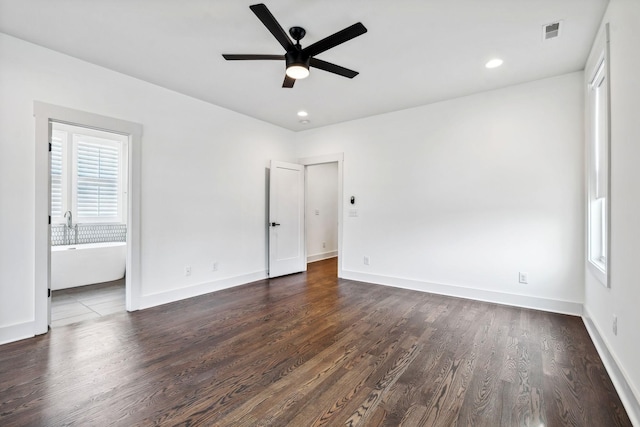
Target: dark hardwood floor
[(309, 349)]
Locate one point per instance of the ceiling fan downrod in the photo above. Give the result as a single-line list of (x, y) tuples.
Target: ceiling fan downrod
[(297, 33)]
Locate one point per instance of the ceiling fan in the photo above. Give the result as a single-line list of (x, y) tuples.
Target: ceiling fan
[(297, 59)]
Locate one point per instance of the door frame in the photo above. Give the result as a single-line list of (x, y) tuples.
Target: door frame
[(45, 114), (318, 160)]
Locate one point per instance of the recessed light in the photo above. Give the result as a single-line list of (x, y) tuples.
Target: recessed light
[(302, 113), (304, 122), (496, 62)]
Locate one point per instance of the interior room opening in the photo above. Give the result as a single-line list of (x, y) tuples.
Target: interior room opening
[(321, 216), (88, 232)]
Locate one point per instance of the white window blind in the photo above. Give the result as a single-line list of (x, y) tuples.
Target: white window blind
[(98, 170), (57, 189), (87, 174)]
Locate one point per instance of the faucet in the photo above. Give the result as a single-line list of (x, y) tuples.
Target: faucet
[(69, 226), (69, 217)]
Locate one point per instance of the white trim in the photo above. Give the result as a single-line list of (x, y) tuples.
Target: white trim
[(42, 254), (318, 160), (44, 114), (524, 301), (628, 395), (16, 332), (598, 272), (599, 54), (321, 256), (147, 301), (332, 158)]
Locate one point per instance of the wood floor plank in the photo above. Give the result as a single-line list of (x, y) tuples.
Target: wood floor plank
[(312, 350), (369, 406)]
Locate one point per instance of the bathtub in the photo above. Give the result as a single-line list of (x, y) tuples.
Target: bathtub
[(86, 264)]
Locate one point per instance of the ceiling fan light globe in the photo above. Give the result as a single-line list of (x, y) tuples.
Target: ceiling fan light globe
[(296, 71)]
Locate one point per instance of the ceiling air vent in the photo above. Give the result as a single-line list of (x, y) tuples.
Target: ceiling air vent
[(551, 31)]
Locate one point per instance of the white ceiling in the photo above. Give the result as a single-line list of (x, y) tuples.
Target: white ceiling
[(415, 52)]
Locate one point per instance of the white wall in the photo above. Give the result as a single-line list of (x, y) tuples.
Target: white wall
[(322, 211), (461, 194), (623, 297), (203, 178), (458, 197)]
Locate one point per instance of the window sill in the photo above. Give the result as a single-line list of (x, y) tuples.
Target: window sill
[(598, 270)]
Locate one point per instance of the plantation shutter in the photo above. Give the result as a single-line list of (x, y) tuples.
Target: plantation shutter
[(98, 169), (56, 173)]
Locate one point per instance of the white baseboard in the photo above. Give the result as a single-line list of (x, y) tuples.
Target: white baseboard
[(544, 304), (147, 301), (17, 332), (320, 257), (630, 400)]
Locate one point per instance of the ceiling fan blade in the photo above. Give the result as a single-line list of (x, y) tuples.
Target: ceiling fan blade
[(272, 25), (241, 57), (335, 39), (288, 81), (332, 68)]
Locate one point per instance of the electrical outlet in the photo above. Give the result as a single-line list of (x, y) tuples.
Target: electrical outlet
[(523, 277), (366, 260), (187, 270), (324, 245), (317, 211), (615, 325), (214, 266)]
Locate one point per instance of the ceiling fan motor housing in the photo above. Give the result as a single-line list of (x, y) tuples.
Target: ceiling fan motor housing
[(297, 57)]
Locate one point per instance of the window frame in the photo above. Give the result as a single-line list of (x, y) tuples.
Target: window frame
[(598, 138), (70, 179)]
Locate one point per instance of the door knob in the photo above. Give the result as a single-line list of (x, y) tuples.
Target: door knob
[(274, 224)]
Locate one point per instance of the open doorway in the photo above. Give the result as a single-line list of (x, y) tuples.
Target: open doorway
[(48, 117), (289, 223), (89, 181), (321, 211), (324, 208)]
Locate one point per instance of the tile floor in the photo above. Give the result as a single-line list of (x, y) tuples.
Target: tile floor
[(86, 302)]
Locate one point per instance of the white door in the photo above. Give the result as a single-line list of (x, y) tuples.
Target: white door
[(286, 219)]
